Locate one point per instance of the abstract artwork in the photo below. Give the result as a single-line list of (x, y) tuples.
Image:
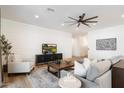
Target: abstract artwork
[(106, 44)]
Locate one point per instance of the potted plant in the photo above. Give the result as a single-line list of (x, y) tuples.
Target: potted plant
[(6, 51)]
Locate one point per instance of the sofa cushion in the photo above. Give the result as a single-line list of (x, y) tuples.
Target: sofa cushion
[(105, 80), (97, 69), (81, 68)]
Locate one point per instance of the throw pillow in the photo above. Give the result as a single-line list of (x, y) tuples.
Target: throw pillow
[(87, 63), (81, 69), (97, 69)]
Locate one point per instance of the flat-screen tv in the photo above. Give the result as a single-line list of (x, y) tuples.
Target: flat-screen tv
[(49, 48)]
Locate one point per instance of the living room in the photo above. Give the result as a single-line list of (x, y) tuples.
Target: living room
[(27, 30)]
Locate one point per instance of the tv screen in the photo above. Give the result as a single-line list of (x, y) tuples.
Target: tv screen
[(49, 48)]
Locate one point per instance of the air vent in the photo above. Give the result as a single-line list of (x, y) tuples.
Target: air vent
[(50, 10)]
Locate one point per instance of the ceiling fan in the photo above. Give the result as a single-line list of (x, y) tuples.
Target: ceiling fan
[(82, 20)]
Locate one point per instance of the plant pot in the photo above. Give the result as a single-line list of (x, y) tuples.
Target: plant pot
[(5, 73)]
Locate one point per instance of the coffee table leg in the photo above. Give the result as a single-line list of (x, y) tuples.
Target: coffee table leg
[(48, 68), (59, 75)]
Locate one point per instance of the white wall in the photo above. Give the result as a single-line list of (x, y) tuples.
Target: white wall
[(27, 39), (80, 45), (112, 32)]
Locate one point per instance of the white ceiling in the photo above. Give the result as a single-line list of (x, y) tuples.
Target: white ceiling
[(108, 15)]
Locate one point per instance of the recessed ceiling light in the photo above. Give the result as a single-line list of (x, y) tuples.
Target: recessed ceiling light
[(122, 15), (62, 24), (36, 16)]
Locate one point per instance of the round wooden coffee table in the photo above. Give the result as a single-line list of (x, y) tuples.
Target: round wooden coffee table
[(69, 82)]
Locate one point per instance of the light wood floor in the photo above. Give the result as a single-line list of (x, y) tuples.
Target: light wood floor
[(20, 80)]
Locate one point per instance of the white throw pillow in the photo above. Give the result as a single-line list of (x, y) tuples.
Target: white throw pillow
[(97, 69), (86, 63), (81, 69)]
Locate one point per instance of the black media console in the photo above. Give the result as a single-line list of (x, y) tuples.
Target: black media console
[(44, 58)]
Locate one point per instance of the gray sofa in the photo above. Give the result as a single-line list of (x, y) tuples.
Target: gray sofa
[(98, 75)]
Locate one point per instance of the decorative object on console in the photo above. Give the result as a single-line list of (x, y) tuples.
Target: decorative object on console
[(57, 61), (106, 44)]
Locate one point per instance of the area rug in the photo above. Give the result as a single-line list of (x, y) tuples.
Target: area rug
[(38, 78), (41, 78)]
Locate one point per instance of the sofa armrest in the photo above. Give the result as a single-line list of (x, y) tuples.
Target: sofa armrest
[(104, 81), (86, 83)]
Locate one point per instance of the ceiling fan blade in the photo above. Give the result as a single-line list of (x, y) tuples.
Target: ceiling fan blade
[(78, 25), (86, 24), (73, 18), (69, 21), (91, 21), (91, 18), (72, 24)]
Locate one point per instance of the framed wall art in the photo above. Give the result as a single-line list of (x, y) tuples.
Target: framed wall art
[(106, 44)]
